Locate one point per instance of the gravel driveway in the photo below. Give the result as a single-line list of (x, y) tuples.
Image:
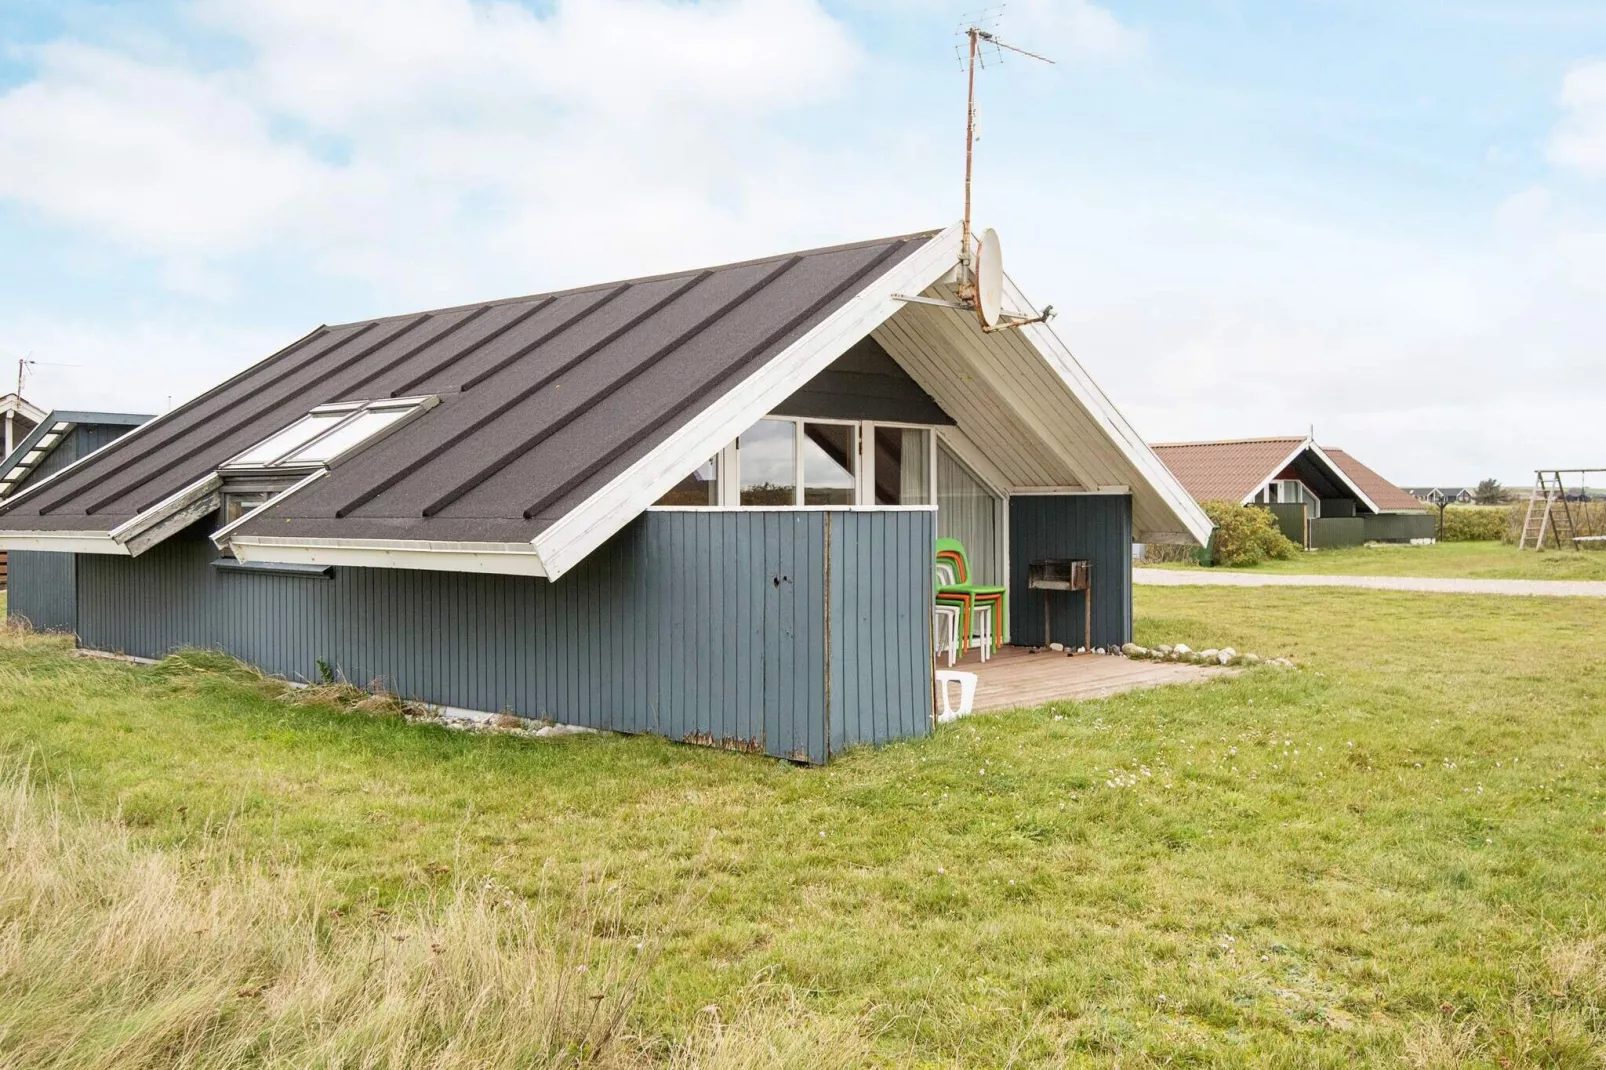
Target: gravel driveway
[(1158, 577)]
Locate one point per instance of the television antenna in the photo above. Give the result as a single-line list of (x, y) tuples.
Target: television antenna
[(24, 363), (980, 285)]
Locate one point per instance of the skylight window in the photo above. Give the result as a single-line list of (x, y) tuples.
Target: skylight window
[(328, 433)]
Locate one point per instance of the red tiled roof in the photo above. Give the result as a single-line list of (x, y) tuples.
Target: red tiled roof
[(1389, 498), (1226, 470), (1233, 469)]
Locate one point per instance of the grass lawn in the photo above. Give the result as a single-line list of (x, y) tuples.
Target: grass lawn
[(1469, 560), (1394, 855)]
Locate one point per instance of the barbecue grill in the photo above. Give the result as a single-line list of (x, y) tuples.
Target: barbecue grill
[(1051, 574)]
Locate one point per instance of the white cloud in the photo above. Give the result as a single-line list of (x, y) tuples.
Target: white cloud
[(1579, 142), (155, 156), (385, 156), (364, 131)]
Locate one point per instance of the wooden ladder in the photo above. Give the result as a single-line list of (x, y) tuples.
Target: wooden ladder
[(1543, 517)]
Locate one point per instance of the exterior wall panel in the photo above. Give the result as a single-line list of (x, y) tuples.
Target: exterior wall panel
[(864, 383), (1400, 527), (880, 626), (715, 627), (1333, 533), (1290, 519), (42, 590), (1095, 527)]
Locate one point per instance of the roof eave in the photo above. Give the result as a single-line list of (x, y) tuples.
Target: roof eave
[(508, 559), (1167, 488), (64, 542)]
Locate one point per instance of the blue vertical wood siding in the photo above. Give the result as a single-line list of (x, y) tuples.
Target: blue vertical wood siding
[(1097, 527), (880, 626), (40, 589), (789, 633)]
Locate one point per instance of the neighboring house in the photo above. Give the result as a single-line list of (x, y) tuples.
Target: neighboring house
[(1440, 495), (19, 419), (51, 443), (702, 505), (1322, 497)]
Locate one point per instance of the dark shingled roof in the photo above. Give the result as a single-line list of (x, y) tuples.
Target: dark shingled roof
[(543, 400)]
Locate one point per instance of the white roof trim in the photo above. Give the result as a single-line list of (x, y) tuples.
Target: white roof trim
[(1058, 356), (508, 559), (591, 523), (134, 536), (63, 542), (22, 407), (1337, 469)]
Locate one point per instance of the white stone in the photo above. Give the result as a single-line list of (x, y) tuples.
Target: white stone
[(563, 730), (1056, 646), (1182, 650)]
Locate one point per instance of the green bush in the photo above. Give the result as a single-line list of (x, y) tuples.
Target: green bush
[(1246, 535), (1476, 523)]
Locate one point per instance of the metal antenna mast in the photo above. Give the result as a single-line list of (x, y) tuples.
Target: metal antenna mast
[(980, 37)]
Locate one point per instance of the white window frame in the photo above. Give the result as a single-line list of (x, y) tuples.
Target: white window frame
[(728, 470), (410, 407)]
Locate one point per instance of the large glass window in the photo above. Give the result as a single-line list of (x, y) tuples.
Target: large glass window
[(902, 466), (699, 488), (829, 462), (767, 461), (783, 462)]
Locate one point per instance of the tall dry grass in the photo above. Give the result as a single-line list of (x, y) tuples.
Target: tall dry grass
[(116, 954)]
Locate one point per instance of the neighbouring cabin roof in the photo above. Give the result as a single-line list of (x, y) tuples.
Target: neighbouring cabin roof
[(1389, 498), (1234, 469), (54, 431), (542, 399), (12, 403), (1229, 470), (537, 427)]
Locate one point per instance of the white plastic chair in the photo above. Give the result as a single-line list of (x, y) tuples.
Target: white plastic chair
[(981, 629), (967, 694), (945, 631)]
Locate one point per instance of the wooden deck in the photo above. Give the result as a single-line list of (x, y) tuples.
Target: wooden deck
[(1016, 677)]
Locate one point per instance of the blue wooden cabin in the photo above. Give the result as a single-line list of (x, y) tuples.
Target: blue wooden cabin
[(701, 505)]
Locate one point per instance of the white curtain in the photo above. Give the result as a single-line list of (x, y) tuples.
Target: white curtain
[(967, 511)]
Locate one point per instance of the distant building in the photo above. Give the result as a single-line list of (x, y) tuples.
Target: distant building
[(43, 447), (1440, 495), (1322, 496), (20, 418)]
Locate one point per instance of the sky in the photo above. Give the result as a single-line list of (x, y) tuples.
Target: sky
[(1385, 221)]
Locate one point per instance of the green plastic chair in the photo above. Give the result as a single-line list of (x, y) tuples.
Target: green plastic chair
[(967, 595)]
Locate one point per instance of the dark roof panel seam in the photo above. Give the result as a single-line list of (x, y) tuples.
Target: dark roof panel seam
[(642, 366), (709, 381), (543, 381), (379, 487), (260, 411), (546, 336), (473, 347), (409, 354), (895, 239)]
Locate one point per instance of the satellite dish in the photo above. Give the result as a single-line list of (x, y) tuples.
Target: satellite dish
[(989, 279)]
